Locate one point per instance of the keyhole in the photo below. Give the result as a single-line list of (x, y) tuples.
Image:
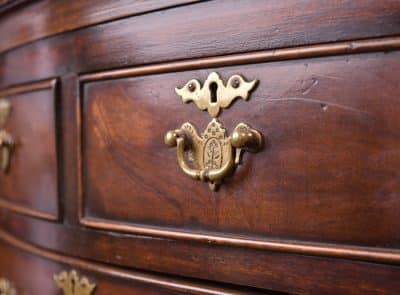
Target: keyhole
[(213, 92)]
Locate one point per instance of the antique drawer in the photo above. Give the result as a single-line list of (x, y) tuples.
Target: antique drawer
[(328, 171), (26, 269), (29, 185)]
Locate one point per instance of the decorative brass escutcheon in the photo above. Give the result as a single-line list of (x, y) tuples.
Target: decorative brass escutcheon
[(214, 95), (71, 284), (213, 156), (6, 140)]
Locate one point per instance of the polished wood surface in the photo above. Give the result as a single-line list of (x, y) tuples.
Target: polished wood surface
[(41, 266), (30, 184), (347, 47), (209, 28), (40, 19), (264, 269), (327, 136), (314, 213)]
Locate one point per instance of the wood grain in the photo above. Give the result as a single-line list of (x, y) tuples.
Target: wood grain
[(39, 270), (201, 30), (41, 19), (298, 274), (320, 50), (314, 213), (30, 186), (327, 174)]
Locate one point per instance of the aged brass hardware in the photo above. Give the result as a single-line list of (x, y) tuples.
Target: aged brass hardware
[(213, 156), (6, 140), (5, 109), (71, 284), (7, 288), (214, 95)]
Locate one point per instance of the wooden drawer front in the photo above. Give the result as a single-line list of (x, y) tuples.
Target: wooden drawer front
[(328, 172), (30, 274), (30, 184), (31, 270)]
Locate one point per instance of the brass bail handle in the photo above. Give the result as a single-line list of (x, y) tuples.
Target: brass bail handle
[(6, 140), (213, 156)]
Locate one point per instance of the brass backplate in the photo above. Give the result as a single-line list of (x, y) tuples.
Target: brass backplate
[(214, 94), (72, 284), (212, 156)]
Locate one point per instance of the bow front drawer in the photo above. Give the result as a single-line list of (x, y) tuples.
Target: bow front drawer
[(327, 172), (28, 180)]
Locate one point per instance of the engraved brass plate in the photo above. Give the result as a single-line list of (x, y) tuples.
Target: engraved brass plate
[(214, 95), (212, 156), (6, 140), (7, 288), (71, 284)]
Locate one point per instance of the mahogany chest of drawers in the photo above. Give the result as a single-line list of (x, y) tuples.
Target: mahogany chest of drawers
[(200, 147)]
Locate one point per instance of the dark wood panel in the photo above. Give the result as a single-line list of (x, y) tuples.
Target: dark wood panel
[(6, 5), (30, 185), (325, 187), (40, 19), (264, 269), (204, 29), (31, 270), (328, 173), (69, 144)]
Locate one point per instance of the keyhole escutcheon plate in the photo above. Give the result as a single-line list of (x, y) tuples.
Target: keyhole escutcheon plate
[(214, 95)]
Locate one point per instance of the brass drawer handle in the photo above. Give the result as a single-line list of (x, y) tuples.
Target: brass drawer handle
[(6, 140), (213, 155), (72, 284)]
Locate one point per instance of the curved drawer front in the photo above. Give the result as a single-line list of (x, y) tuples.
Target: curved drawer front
[(26, 269), (29, 185), (182, 150), (327, 173)]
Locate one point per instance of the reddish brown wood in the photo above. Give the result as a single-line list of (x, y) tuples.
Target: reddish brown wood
[(69, 143), (314, 212), (40, 19), (329, 165), (319, 50), (34, 274), (296, 274), (200, 30), (30, 185)]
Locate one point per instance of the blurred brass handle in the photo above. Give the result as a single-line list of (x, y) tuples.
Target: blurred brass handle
[(73, 284), (6, 145), (213, 155), (7, 287), (6, 140)]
